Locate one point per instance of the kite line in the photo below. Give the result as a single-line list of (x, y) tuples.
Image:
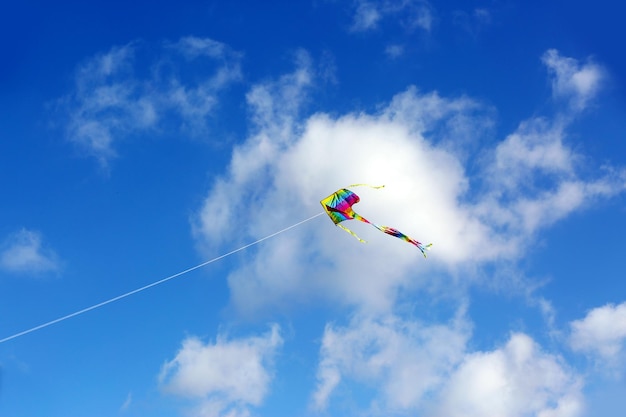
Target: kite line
[(154, 284)]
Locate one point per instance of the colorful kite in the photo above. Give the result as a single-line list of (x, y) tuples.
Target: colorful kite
[(339, 204)]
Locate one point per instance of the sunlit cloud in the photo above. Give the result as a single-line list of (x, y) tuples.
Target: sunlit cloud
[(602, 334), (515, 380), (225, 377), (528, 181), (406, 359)]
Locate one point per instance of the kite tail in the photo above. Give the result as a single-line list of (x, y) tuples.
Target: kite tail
[(365, 185), (424, 248), (393, 232), (351, 232)]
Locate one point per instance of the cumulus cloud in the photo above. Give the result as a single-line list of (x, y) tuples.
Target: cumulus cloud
[(288, 171), (411, 13), (24, 252), (112, 100), (225, 377), (417, 145), (572, 81), (515, 380), (601, 333), (406, 359), (427, 368)]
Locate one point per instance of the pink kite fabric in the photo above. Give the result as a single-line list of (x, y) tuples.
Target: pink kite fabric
[(339, 204)]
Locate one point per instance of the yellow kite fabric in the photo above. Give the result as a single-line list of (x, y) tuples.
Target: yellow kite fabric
[(339, 204)]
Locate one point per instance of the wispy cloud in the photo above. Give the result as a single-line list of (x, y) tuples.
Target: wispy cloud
[(24, 252), (394, 51), (572, 81), (127, 402), (534, 179), (534, 176), (114, 98), (366, 16), (411, 14), (225, 377), (192, 47)]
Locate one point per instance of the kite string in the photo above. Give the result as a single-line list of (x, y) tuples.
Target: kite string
[(154, 284)]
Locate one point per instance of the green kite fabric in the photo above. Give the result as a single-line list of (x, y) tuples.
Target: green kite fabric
[(339, 204)]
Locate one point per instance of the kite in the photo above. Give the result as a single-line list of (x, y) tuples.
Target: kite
[(339, 204)]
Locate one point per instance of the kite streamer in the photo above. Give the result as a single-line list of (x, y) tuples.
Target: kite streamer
[(339, 204)]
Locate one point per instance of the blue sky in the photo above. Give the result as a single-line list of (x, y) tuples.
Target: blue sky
[(139, 140)]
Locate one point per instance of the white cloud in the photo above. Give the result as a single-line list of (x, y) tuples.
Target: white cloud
[(111, 101), (193, 47), (411, 13), (313, 158), (535, 148), (394, 51), (226, 377), (105, 104), (572, 81), (482, 14), (331, 153), (602, 333), (534, 174), (534, 180), (23, 252), (405, 359), (366, 16), (416, 145), (274, 107), (516, 380), (569, 196), (427, 369)]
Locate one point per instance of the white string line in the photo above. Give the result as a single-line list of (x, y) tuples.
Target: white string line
[(154, 284)]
